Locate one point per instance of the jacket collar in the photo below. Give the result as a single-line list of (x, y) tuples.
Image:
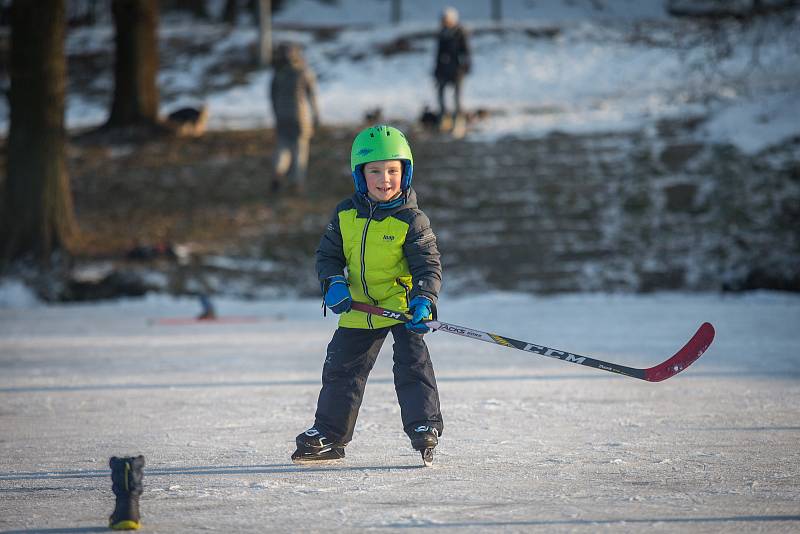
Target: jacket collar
[(386, 209)]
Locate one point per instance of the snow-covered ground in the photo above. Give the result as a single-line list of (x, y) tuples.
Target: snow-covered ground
[(614, 64), (530, 444)]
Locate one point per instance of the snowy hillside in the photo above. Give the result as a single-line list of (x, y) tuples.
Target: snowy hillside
[(572, 66)]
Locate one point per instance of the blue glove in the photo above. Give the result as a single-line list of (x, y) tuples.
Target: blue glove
[(337, 295), (420, 309)]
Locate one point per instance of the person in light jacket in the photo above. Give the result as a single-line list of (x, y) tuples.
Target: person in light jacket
[(293, 92)]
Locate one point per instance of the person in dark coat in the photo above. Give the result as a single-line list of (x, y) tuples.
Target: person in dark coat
[(452, 62), (294, 101)]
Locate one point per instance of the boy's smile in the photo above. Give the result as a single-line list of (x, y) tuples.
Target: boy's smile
[(383, 179)]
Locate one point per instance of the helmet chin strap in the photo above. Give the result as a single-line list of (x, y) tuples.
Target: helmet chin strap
[(408, 172), (359, 181)]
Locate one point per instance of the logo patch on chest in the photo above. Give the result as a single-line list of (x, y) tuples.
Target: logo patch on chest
[(388, 237)]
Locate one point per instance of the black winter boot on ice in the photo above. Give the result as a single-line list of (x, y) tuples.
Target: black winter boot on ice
[(312, 446), (127, 483), (424, 439)]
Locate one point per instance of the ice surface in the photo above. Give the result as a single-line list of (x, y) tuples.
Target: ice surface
[(530, 443)]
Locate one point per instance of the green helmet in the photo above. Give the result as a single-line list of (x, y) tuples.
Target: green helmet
[(378, 143)]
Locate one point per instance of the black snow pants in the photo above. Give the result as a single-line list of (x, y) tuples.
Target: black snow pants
[(351, 354)]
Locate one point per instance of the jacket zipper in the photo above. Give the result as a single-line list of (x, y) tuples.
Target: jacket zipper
[(364, 263), (406, 288)]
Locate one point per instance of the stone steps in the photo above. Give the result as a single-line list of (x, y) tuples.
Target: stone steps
[(599, 212)]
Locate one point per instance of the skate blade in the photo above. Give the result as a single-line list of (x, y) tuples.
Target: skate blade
[(316, 461), (427, 457)]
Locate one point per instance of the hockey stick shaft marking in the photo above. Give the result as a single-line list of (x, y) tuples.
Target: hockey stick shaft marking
[(690, 352)]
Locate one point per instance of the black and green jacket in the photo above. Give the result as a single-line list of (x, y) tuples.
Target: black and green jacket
[(388, 255)]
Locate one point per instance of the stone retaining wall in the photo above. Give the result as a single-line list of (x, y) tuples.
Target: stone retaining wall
[(608, 212)]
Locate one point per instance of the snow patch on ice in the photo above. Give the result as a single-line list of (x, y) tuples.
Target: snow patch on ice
[(15, 294)]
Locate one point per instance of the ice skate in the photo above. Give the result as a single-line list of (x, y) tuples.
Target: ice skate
[(424, 439), (314, 447)]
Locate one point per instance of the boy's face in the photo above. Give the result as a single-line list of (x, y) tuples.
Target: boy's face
[(383, 179)]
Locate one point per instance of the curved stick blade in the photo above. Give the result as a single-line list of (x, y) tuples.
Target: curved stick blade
[(682, 359)]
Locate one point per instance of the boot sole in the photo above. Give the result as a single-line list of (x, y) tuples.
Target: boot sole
[(125, 525)]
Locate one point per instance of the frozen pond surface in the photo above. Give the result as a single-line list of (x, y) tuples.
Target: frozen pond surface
[(530, 443)]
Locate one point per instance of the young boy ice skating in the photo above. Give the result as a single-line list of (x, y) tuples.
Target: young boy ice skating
[(378, 248)]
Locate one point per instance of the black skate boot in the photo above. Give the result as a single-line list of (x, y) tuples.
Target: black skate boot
[(424, 439), (126, 478), (314, 447)]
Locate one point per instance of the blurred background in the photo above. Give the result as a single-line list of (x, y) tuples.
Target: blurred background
[(604, 145)]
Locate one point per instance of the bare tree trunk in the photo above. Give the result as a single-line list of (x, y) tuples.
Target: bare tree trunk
[(264, 32), (136, 66), (497, 10), (231, 12), (195, 7), (397, 10), (38, 215)]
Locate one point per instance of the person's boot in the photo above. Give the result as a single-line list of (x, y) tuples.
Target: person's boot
[(312, 446), (424, 437), (207, 313), (127, 483)]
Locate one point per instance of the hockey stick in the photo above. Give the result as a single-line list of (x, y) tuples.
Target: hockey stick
[(682, 359)]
